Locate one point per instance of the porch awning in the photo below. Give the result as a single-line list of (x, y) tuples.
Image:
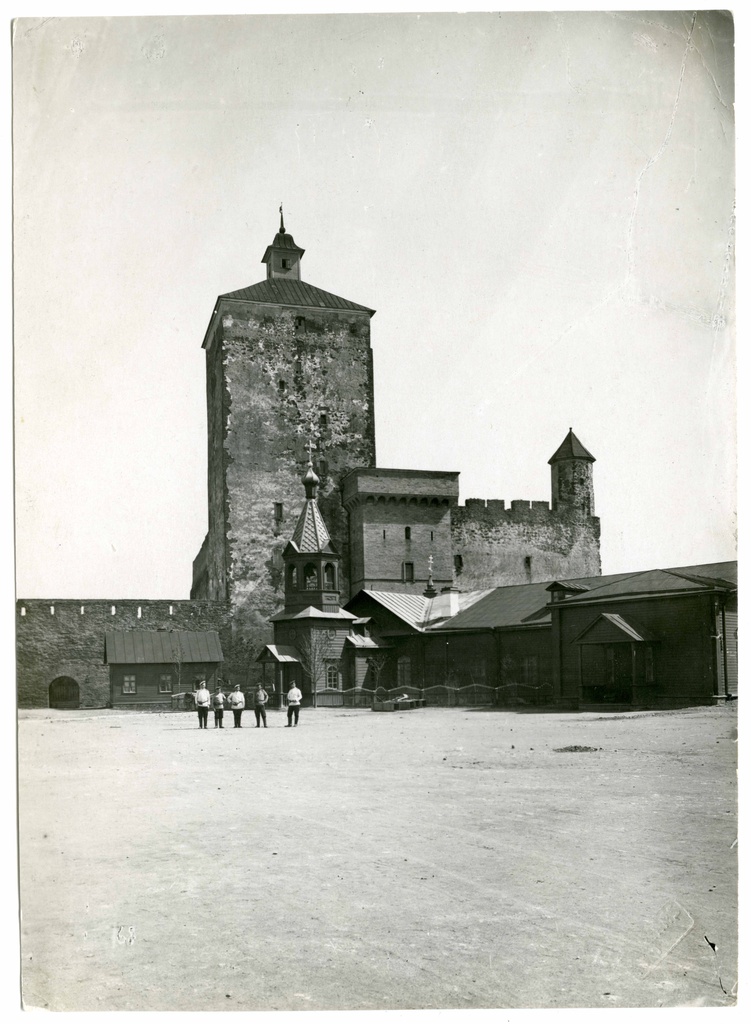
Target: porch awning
[(610, 628), (367, 643), (281, 653)]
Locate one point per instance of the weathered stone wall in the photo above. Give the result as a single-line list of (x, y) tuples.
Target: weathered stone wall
[(527, 543), (572, 487), (70, 640), (278, 377)]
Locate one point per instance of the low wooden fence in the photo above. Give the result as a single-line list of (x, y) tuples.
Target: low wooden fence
[(472, 695)]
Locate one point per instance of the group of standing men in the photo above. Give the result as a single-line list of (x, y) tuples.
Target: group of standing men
[(236, 702)]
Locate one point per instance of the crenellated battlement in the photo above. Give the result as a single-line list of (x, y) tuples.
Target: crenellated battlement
[(495, 510), (66, 638), (117, 613)]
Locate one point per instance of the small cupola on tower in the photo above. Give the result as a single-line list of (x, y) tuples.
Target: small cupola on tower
[(311, 562), (282, 257), (572, 486)]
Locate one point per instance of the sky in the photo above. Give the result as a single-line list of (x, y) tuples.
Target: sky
[(539, 206)]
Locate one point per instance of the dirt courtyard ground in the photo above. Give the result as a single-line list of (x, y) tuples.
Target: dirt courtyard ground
[(434, 858)]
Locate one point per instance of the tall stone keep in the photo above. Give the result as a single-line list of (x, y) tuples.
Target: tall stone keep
[(285, 362)]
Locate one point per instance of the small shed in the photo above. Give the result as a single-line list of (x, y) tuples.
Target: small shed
[(149, 666)]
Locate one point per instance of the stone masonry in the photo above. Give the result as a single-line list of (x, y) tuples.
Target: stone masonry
[(66, 638)]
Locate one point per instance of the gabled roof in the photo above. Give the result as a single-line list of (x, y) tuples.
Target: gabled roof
[(526, 604), (161, 647), (279, 652), (410, 608), (572, 448), (285, 292), (416, 610), (571, 588), (612, 628), (658, 581), (312, 613), (505, 606), (721, 574), (368, 643)]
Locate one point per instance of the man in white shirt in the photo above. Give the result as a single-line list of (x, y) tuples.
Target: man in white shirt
[(202, 699), (294, 697), (237, 703)]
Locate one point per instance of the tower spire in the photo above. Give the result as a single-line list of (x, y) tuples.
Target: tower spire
[(282, 257), (310, 479)]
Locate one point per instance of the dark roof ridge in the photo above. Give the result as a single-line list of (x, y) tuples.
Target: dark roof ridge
[(706, 580)]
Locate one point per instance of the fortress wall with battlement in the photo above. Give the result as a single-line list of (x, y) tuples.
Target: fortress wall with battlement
[(525, 543), (57, 639)]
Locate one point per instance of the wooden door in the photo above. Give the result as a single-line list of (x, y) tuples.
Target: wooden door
[(64, 693)]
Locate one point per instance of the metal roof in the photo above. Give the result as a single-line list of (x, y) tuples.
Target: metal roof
[(284, 292), (656, 581), (721, 574), (282, 240), (416, 609), (312, 613), (410, 608), (504, 606), (161, 647), (572, 448), (310, 534), (279, 652), (367, 643), (523, 604)]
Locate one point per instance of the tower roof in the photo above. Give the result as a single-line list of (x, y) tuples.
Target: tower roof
[(310, 534), (281, 241), (284, 292), (572, 448)]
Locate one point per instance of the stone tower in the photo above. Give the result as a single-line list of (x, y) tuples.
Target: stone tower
[(528, 541), (571, 485), (285, 361)]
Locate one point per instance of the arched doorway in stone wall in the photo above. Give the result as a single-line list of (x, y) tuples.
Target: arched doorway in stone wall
[(64, 693)]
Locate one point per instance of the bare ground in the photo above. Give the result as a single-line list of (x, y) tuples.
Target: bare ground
[(435, 858)]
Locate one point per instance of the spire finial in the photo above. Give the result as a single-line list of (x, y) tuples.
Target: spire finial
[(282, 230), (430, 590), (310, 479)]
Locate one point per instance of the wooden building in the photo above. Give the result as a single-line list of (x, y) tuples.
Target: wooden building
[(651, 639), (149, 667), (660, 638), (311, 630)]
